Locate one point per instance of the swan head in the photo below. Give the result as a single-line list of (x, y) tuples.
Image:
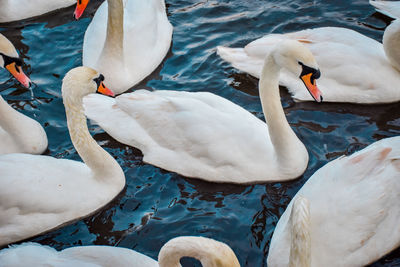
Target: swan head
[(80, 8), (82, 81), (299, 60), (10, 60)]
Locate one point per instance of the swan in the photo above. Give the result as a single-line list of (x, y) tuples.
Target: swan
[(356, 68), (18, 133), (13, 10), (39, 193), (388, 8), (202, 135), (126, 40), (346, 214), (209, 252)]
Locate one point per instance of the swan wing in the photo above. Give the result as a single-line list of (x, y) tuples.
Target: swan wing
[(388, 8), (195, 134)]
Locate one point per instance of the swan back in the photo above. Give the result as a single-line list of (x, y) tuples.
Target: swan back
[(209, 252)]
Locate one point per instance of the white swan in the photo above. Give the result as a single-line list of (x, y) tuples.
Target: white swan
[(13, 10), (388, 8), (127, 40), (18, 133), (356, 68), (209, 252), (205, 136), (39, 193), (352, 215)]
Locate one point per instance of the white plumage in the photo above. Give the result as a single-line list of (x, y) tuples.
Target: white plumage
[(354, 67), (130, 48), (40, 193), (205, 136), (389, 8), (12, 10), (354, 211)]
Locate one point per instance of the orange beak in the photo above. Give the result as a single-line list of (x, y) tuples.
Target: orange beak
[(312, 87), (80, 8), (17, 72), (102, 89)]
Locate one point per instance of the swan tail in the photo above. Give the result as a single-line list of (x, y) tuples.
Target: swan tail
[(240, 60), (390, 9)]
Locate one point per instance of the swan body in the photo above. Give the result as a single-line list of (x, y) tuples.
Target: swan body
[(40, 193), (202, 135), (353, 215), (388, 8), (13, 10), (127, 40), (356, 68), (18, 133), (211, 253)]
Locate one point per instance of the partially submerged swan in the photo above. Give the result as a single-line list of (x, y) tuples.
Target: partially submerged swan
[(126, 40), (202, 135), (346, 214), (356, 68), (209, 252), (18, 133), (40, 193)]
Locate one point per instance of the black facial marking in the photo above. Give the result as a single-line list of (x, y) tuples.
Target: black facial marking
[(9, 60), (307, 70), (98, 80)]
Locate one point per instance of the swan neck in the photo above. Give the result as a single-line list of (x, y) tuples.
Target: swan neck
[(391, 44), (11, 121), (95, 157), (300, 248), (115, 29), (209, 252), (7, 116), (282, 136)]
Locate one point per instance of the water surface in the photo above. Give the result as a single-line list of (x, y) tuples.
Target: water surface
[(157, 205)]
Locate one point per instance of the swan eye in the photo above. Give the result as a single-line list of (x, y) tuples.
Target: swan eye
[(9, 60), (315, 73), (99, 80)]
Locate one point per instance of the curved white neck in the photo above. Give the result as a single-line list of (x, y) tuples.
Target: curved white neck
[(209, 252), (391, 43), (113, 46), (282, 136), (300, 249), (13, 123), (95, 157)]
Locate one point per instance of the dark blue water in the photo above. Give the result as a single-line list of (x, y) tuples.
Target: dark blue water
[(157, 205)]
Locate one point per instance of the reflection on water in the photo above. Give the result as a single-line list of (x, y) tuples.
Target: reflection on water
[(157, 205)]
